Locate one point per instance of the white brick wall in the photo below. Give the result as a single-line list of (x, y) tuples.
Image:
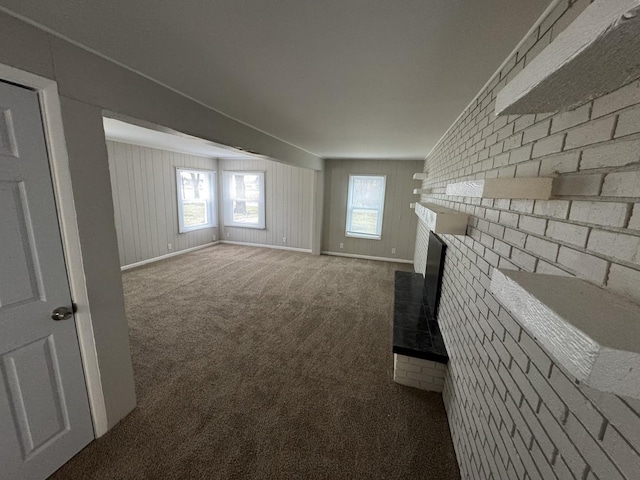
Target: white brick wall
[(513, 412), (418, 373)]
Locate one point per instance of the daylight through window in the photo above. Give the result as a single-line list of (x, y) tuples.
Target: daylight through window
[(196, 199), (244, 199), (365, 206)]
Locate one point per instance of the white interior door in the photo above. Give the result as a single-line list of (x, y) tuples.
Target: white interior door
[(44, 409)]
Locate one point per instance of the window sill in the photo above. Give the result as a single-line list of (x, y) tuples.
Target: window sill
[(195, 229), (253, 227), (361, 235)]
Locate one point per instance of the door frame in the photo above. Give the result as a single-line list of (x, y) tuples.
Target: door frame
[(50, 110)]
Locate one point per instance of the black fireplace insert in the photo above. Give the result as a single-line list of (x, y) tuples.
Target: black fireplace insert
[(416, 298)]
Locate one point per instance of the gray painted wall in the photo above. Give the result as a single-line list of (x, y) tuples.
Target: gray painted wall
[(90, 85), (399, 221), (290, 199), (89, 170), (145, 201)]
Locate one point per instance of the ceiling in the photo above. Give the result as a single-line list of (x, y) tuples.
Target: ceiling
[(338, 78)]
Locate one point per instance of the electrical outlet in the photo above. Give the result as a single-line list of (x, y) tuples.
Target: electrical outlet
[(227, 234), (169, 246), (342, 245), (393, 250), (284, 239), (215, 238)]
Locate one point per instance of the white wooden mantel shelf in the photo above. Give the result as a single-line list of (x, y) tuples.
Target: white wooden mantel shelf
[(591, 332), (442, 220), (537, 188), (596, 54)]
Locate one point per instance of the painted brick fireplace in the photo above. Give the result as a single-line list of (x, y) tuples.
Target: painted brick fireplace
[(514, 413)]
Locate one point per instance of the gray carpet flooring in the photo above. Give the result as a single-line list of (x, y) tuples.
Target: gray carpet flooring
[(264, 364)]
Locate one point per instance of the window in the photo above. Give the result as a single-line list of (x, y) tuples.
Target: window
[(365, 206), (196, 199), (243, 199)]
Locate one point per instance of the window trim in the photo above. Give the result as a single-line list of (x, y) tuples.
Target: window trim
[(227, 214), (380, 210), (211, 205)]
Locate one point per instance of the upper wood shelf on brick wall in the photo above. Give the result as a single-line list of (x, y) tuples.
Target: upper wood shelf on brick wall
[(591, 332), (596, 54), (421, 191), (525, 188), (442, 220), (420, 176)]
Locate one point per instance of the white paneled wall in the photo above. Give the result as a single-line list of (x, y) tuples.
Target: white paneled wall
[(145, 205), (289, 194)]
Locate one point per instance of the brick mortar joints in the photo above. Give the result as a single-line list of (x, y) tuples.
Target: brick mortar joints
[(623, 230), (599, 436)]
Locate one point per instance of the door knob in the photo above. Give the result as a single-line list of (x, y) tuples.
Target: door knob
[(61, 313)]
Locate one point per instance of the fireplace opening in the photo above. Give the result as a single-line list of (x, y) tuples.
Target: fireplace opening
[(420, 356), (433, 275)]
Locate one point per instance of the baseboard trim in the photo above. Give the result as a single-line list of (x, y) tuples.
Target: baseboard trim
[(276, 247), (168, 255), (367, 257)]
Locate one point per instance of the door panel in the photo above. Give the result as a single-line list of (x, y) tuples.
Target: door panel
[(7, 137), (33, 378), (44, 409), (16, 253)]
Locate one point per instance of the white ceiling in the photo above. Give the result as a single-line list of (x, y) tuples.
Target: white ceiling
[(128, 133), (338, 78)]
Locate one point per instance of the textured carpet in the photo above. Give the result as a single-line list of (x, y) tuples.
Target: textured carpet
[(263, 364)]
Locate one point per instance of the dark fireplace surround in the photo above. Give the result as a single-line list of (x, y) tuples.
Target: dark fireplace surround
[(415, 327)]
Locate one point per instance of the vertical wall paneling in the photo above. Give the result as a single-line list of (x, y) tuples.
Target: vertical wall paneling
[(399, 221), (143, 181), (289, 205)]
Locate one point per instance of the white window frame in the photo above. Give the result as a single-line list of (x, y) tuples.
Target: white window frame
[(348, 230), (227, 203), (210, 205)]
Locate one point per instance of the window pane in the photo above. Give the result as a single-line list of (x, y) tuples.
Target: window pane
[(365, 207), (364, 221), (367, 192), (244, 199), (195, 185), (194, 212), (246, 212), (245, 187), (196, 197), (245, 193)]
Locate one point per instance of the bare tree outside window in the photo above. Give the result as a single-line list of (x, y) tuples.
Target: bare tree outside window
[(195, 199), (240, 206), (195, 184), (244, 199)]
